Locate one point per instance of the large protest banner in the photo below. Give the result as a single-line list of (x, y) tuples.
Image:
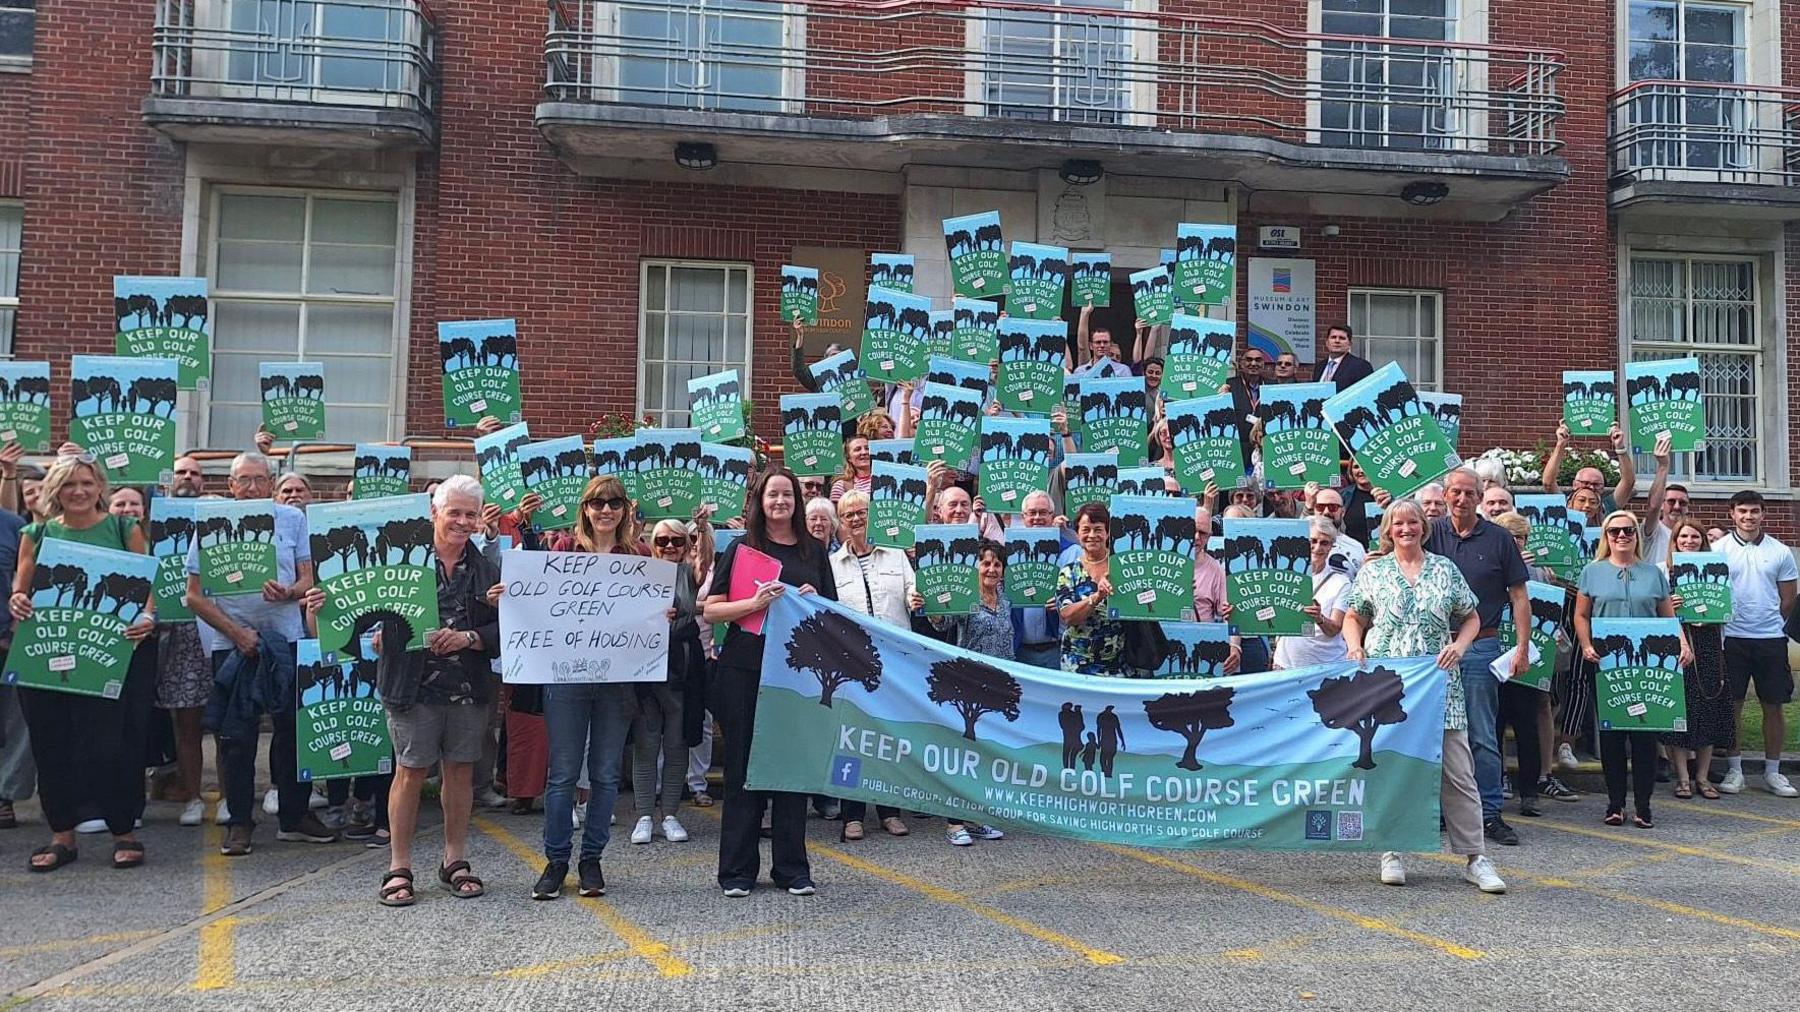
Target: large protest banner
[(1324, 757), (1196, 650), (945, 555), (896, 335), (341, 727), (234, 542), (1590, 401), (556, 470), (165, 318), (1638, 683), (1036, 275), (893, 271), (724, 479), (83, 598), (1395, 438), (1199, 358), (581, 617), (293, 399), (975, 333), (812, 432), (716, 406), (1703, 581), (1151, 297), (25, 405), (123, 412), (1547, 605), (171, 533), (481, 370), (1268, 576), (1031, 354), (1115, 415), (896, 503), (1088, 477), (1015, 460), (949, 425), (667, 463), (381, 470), (977, 255), (1090, 279), (1299, 446), (497, 462), (1663, 398), (1152, 563), (1204, 433), (841, 376), (1031, 570), (1205, 268), (376, 563), (800, 294)]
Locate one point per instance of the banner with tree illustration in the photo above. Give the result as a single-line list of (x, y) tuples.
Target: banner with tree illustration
[(1663, 398), (1590, 401), (481, 370), (376, 563), (83, 598), (293, 399), (1037, 277), (1638, 683), (977, 255), (122, 411), (946, 555), (342, 729), (1703, 581), (1298, 444), (1199, 359), (165, 318), (381, 470), (1317, 758), (25, 405)]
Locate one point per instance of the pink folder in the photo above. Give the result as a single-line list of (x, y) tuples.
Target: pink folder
[(750, 569)]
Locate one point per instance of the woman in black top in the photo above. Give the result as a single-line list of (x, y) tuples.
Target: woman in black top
[(775, 526)]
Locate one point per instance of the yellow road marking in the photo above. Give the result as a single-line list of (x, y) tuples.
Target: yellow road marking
[(83, 941), (1681, 849), (560, 965), (218, 939), (1720, 808), (1338, 913), (640, 943)]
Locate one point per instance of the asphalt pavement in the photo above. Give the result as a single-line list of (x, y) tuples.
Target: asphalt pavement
[(1700, 912)]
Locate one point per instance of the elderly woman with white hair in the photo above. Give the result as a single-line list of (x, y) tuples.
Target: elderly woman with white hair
[(822, 522), (657, 721), (1325, 643)]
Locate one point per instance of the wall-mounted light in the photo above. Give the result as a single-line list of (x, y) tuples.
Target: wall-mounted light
[(695, 155), (1424, 194), (1331, 231), (1081, 172)]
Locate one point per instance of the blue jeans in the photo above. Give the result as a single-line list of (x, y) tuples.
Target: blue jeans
[(585, 721), (1481, 693), (1043, 655), (1255, 657)]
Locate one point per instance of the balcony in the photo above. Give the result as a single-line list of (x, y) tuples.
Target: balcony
[(851, 86), (1696, 148), (310, 73)]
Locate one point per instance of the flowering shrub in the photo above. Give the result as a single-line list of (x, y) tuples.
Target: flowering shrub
[(613, 425), (1525, 468)]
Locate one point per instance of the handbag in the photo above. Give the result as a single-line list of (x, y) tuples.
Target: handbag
[(1146, 648)]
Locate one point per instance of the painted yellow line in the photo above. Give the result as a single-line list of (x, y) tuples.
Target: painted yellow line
[(1363, 921), (1677, 909), (1680, 849), (1722, 808), (59, 944), (1098, 957), (561, 965), (635, 938), (218, 939)]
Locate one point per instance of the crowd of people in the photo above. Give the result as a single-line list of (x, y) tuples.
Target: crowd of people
[(1439, 573)]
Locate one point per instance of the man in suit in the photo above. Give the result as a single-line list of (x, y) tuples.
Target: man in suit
[(1340, 366), (1246, 397)]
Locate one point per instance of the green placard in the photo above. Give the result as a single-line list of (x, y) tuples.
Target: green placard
[(83, 598), (236, 540), (843, 378), (1703, 580), (1267, 576), (1031, 554), (124, 414), (1664, 398), (1151, 296), (171, 534), (1638, 684), (618, 457), (800, 294), (976, 337), (1090, 279), (1547, 605), (1199, 358), (1152, 565), (896, 335), (896, 503), (946, 555), (481, 370), (381, 470), (1590, 402), (293, 399), (497, 462), (1395, 438), (949, 425), (1015, 461), (1115, 417), (724, 479), (1089, 477), (1298, 445), (1205, 436), (977, 255), (376, 563), (668, 466), (716, 406), (1554, 538), (341, 727), (165, 318), (25, 405), (1205, 264), (1037, 275), (556, 470), (812, 433)]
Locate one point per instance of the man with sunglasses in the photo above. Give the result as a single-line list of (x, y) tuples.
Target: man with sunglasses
[(1763, 578), (1591, 478), (1348, 554), (1287, 368)]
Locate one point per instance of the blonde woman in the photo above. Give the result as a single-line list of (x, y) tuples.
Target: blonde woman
[(1709, 716)]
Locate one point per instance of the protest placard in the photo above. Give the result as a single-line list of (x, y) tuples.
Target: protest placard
[(376, 562), (716, 406), (557, 471), (165, 318), (1115, 416), (1199, 358), (841, 376), (1031, 570), (293, 399), (896, 335), (497, 462), (235, 543), (83, 598), (1152, 558), (893, 271), (1150, 479), (666, 461), (1031, 353), (613, 457), (124, 414), (1015, 460), (1089, 477), (1090, 280), (949, 425), (812, 432), (896, 503), (975, 336), (724, 479), (1556, 531), (341, 728), (946, 556), (1663, 398), (1268, 577), (1151, 297), (582, 617), (25, 405), (1590, 401), (1638, 683), (171, 533), (1547, 606), (1447, 409), (1204, 434), (977, 255), (1394, 437), (942, 341), (1037, 275), (800, 294), (380, 470), (1703, 581), (1205, 264), (891, 451), (481, 370), (1298, 445)]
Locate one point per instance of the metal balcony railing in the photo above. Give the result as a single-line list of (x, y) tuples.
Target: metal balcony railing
[(379, 53), (1088, 64), (1699, 132)]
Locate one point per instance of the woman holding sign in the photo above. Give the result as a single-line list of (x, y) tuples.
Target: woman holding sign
[(1710, 720), (774, 530), (1326, 641), (1407, 602), (89, 748), (1620, 584), (1092, 643), (858, 469)]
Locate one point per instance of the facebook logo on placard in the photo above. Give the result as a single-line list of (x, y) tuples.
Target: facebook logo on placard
[(846, 771)]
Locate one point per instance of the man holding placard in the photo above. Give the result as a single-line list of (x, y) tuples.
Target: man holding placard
[(1762, 592)]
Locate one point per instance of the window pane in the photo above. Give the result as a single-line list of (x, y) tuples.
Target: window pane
[(17, 30), (1653, 61), (1714, 26), (1392, 315), (269, 328), (259, 266), (697, 289), (367, 222), (259, 216), (12, 227), (8, 319), (339, 329), (1653, 21), (350, 270), (357, 380)]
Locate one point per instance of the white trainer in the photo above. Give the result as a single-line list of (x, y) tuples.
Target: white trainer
[(1480, 871), (641, 832), (1565, 756), (1393, 871), (1733, 782), (272, 802), (193, 814), (673, 831), (1776, 783), (221, 815)]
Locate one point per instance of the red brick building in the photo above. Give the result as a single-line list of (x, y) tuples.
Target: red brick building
[(1490, 190)]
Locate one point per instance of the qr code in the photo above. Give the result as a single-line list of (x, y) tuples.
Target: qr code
[(1349, 826)]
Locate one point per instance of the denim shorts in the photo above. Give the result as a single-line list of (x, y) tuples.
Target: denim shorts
[(427, 733)]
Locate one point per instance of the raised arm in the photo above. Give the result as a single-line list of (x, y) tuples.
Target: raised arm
[(1554, 461), (1659, 485), (1627, 486), (797, 361)]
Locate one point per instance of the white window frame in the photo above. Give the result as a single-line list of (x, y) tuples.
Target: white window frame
[(1138, 34), (7, 341), (1470, 26), (19, 63), (746, 369), (212, 68), (1436, 297), (397, 345), (605, 66), (1770, 395)]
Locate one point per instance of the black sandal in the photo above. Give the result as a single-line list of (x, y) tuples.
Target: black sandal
[(63, 855), (125, 849), (447, 877), (390, 893)]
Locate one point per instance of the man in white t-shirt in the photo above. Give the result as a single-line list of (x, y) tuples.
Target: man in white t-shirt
[(1763, 577), (1667, 504)]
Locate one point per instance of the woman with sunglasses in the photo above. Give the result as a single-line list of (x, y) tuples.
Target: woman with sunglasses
[(587, 720), (657, 719), (772, 526), (1620, 584), (89, 750), (1710, 722)]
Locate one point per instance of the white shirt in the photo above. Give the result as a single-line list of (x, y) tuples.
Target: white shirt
[(1656, 544), (884, 592), (1315, 647), (1756, 570)]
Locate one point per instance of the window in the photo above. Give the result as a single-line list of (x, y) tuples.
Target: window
[(304, 277), (1402, 326), (694, 320), (12, 231), (1707, 307), (702, 54), (1700, 126), (1068, 67), (18, 29), (321, 51), (1376, 94)]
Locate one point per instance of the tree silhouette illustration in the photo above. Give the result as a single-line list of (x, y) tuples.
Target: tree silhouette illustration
[(974, 690), (1191, 715), (837, 651), (1360, 703)]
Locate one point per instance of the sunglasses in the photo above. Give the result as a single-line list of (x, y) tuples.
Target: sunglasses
[(614, 503), (1328, 507), (670, 540), (854, 515), (1621, 532)]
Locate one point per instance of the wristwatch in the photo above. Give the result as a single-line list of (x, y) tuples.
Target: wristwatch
[(473, 639)]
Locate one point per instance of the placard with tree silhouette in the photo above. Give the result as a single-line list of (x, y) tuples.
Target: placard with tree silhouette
[(234, 541), (1703, 581), (1115, 417), (171, 534), (481, 370), (1393, 435), (896, 335), (376, 561), (716, 405), (341, 727), (1638, 683), (293, 399), (1204, 434), (1590, 401), (842, 376), (1015, 461), (557, 471), (896, 503), (165, 318), (83, 598), (1037, 276), (1031, 557), (25, 405), (1199, 358), (893, 271), (800, 294), (1152, 567), (949, 425), (812, 433), (668, 468), (1268, 576), (1205, 269), (1031, 355), (977, 255), (1298, 445), (1090, 280), (123, 412), (946, 556), (1663, 398), (378, 469), (1548, 605), (497, 462), (1151, 296)]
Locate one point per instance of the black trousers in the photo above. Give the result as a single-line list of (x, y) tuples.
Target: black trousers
[(855, 811), (1642, 747), (1519, 708), (732, 697), (237, 763), (90, 750)]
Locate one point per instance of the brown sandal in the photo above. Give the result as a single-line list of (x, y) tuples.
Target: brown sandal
[(1708, 791), (457, 884), (128, 853), (395, 882), (1684, 791)]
